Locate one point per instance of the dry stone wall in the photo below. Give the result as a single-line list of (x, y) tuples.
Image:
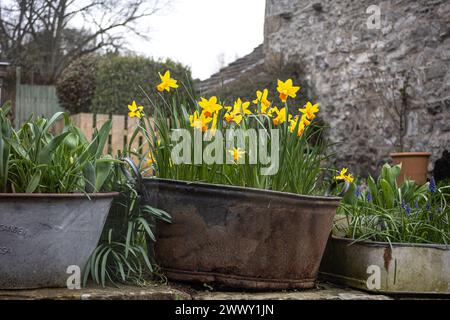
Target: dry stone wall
[(350, 65)]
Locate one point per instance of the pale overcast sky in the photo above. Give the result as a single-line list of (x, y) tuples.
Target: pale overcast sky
[(198, 32)]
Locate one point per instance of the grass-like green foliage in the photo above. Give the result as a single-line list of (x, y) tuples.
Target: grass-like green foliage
[(6, 131), (124, 252), (107, 84), (36, 160), (300, 158), (33, 159), (382, 210)]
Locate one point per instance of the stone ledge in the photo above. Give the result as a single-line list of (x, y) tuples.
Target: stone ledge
[(321, 292), (185, 292), (151, 292)]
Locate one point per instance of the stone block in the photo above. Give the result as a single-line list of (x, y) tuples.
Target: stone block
[(435, 71)]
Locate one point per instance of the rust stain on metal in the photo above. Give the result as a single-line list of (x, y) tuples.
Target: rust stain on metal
[(387, 256)]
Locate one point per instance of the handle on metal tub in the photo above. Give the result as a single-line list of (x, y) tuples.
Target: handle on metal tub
[(343, 191), (137, 179)]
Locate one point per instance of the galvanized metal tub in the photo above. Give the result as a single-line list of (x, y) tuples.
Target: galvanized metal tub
[(41, 235), (403, 268), (240, 237)]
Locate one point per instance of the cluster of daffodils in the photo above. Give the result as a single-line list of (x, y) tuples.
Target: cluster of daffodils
[(261, 125), (207, 116), (210, 110)]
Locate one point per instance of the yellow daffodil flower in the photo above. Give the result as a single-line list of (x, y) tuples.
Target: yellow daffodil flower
[(300, 128), (305, 120), (199, 121), (310, 110), (135, 110), (166, 82), (231, 116), (287, 89), (242, 107), (292, 122), (342, 176), (280, 118), (150, 159), (209, 106), (261, 97), (237, 153), (273, 110), (236, 113)]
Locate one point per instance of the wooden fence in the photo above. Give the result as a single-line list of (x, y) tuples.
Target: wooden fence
[(34, 100), (122, 130)]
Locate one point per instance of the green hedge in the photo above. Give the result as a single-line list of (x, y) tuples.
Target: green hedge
[(107, 84), (75, 87)]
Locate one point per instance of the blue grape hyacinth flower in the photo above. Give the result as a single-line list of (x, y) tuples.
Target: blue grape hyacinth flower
[(432, 186), (408, 210), (369, 196)]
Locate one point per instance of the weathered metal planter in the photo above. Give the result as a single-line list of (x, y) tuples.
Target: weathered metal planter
[(240, 237), (403, 268), (41, 235)]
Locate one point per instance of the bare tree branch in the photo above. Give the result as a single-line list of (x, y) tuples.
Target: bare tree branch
[(46, 35)]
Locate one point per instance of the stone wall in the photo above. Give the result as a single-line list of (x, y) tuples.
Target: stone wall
[(351, 67)]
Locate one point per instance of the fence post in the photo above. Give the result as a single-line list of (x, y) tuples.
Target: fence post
[(84, 121), (117, 134)]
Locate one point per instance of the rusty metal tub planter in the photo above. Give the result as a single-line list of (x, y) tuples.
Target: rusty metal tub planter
[(240, 237), (404, 268), (41, 235)]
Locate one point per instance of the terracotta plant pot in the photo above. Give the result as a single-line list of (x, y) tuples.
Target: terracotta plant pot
[(414, 166), (240, 237)]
